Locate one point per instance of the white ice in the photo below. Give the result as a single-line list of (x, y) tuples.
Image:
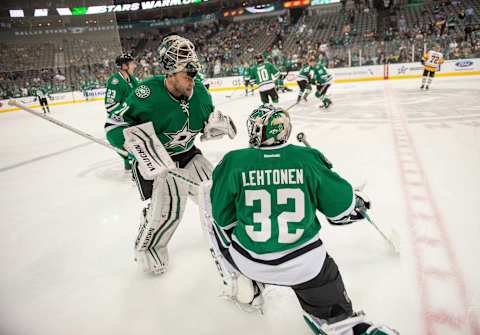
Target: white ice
[(69, 216)]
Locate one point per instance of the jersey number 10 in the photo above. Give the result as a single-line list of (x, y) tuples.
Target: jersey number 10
[(264, 216), (263, 74)]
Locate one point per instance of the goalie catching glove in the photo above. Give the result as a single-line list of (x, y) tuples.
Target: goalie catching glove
[(362, 204), (217, 126)]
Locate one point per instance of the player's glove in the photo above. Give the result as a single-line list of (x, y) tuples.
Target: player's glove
[(217, 126), (362, 204)]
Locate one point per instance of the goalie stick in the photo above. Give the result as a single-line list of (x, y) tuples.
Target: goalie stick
[(92, 138), (302, 138), (66, 126)]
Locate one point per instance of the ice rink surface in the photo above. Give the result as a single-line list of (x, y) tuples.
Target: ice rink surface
[(69, 216)]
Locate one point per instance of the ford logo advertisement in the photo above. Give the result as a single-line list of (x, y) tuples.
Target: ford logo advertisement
[(464, 63)]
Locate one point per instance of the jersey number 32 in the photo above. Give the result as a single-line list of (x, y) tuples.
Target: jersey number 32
[(263, 217)]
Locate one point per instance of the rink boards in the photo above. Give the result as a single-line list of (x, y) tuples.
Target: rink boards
[(460, 67)]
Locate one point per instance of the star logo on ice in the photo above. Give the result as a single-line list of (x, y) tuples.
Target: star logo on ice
[(181, 138)]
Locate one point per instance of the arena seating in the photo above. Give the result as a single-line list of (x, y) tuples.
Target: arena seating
[(340, 36)]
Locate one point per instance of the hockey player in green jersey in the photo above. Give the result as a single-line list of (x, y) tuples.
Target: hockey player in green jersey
[(119, 86), (323, 81), (41, 95), (314, 73), (280, 82), (303, 81), (259, 210), (178, 108), (247, 80), (264, 74)]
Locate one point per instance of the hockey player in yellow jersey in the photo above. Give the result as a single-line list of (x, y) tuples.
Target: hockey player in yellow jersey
[(431, 63)]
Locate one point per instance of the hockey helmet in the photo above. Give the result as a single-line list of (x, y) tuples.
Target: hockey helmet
[(178, 54), (268, 125), (259, 58), (123, 59)]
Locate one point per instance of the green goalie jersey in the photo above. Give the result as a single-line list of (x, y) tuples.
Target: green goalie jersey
[(118, 89), (264, 204), (176, 123), (264, 75)]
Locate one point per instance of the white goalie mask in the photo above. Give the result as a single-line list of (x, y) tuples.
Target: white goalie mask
[(268, 125), (178, 54)]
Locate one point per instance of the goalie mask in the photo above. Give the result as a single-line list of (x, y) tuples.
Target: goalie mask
[(268, 126), (177, 54)]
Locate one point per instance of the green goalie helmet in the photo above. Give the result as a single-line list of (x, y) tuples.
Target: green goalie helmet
[(268, 126), (178, 54)]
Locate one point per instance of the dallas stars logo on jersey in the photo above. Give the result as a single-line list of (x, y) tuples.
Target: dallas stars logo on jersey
[(182, 138), (176, 122), (142, 91)]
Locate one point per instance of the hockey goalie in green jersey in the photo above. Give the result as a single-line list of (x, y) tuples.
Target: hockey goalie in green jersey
[(264, 75), (119, 87), (259, 212), (167, 113)]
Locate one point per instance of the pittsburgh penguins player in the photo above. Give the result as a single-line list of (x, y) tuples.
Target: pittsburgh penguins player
[(179, 108)]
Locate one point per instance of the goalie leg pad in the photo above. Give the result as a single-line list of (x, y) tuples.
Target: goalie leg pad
[(235, 286), (160, 220), (354, 325), (145, 187), (200, 170)]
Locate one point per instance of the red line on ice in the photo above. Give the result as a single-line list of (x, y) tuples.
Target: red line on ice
[(403, 140)]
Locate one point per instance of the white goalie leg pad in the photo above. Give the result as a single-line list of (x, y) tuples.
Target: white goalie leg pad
[(344, 327), (142, 142), (199, 170), (235, 286), (161, 219), (153, 260)]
